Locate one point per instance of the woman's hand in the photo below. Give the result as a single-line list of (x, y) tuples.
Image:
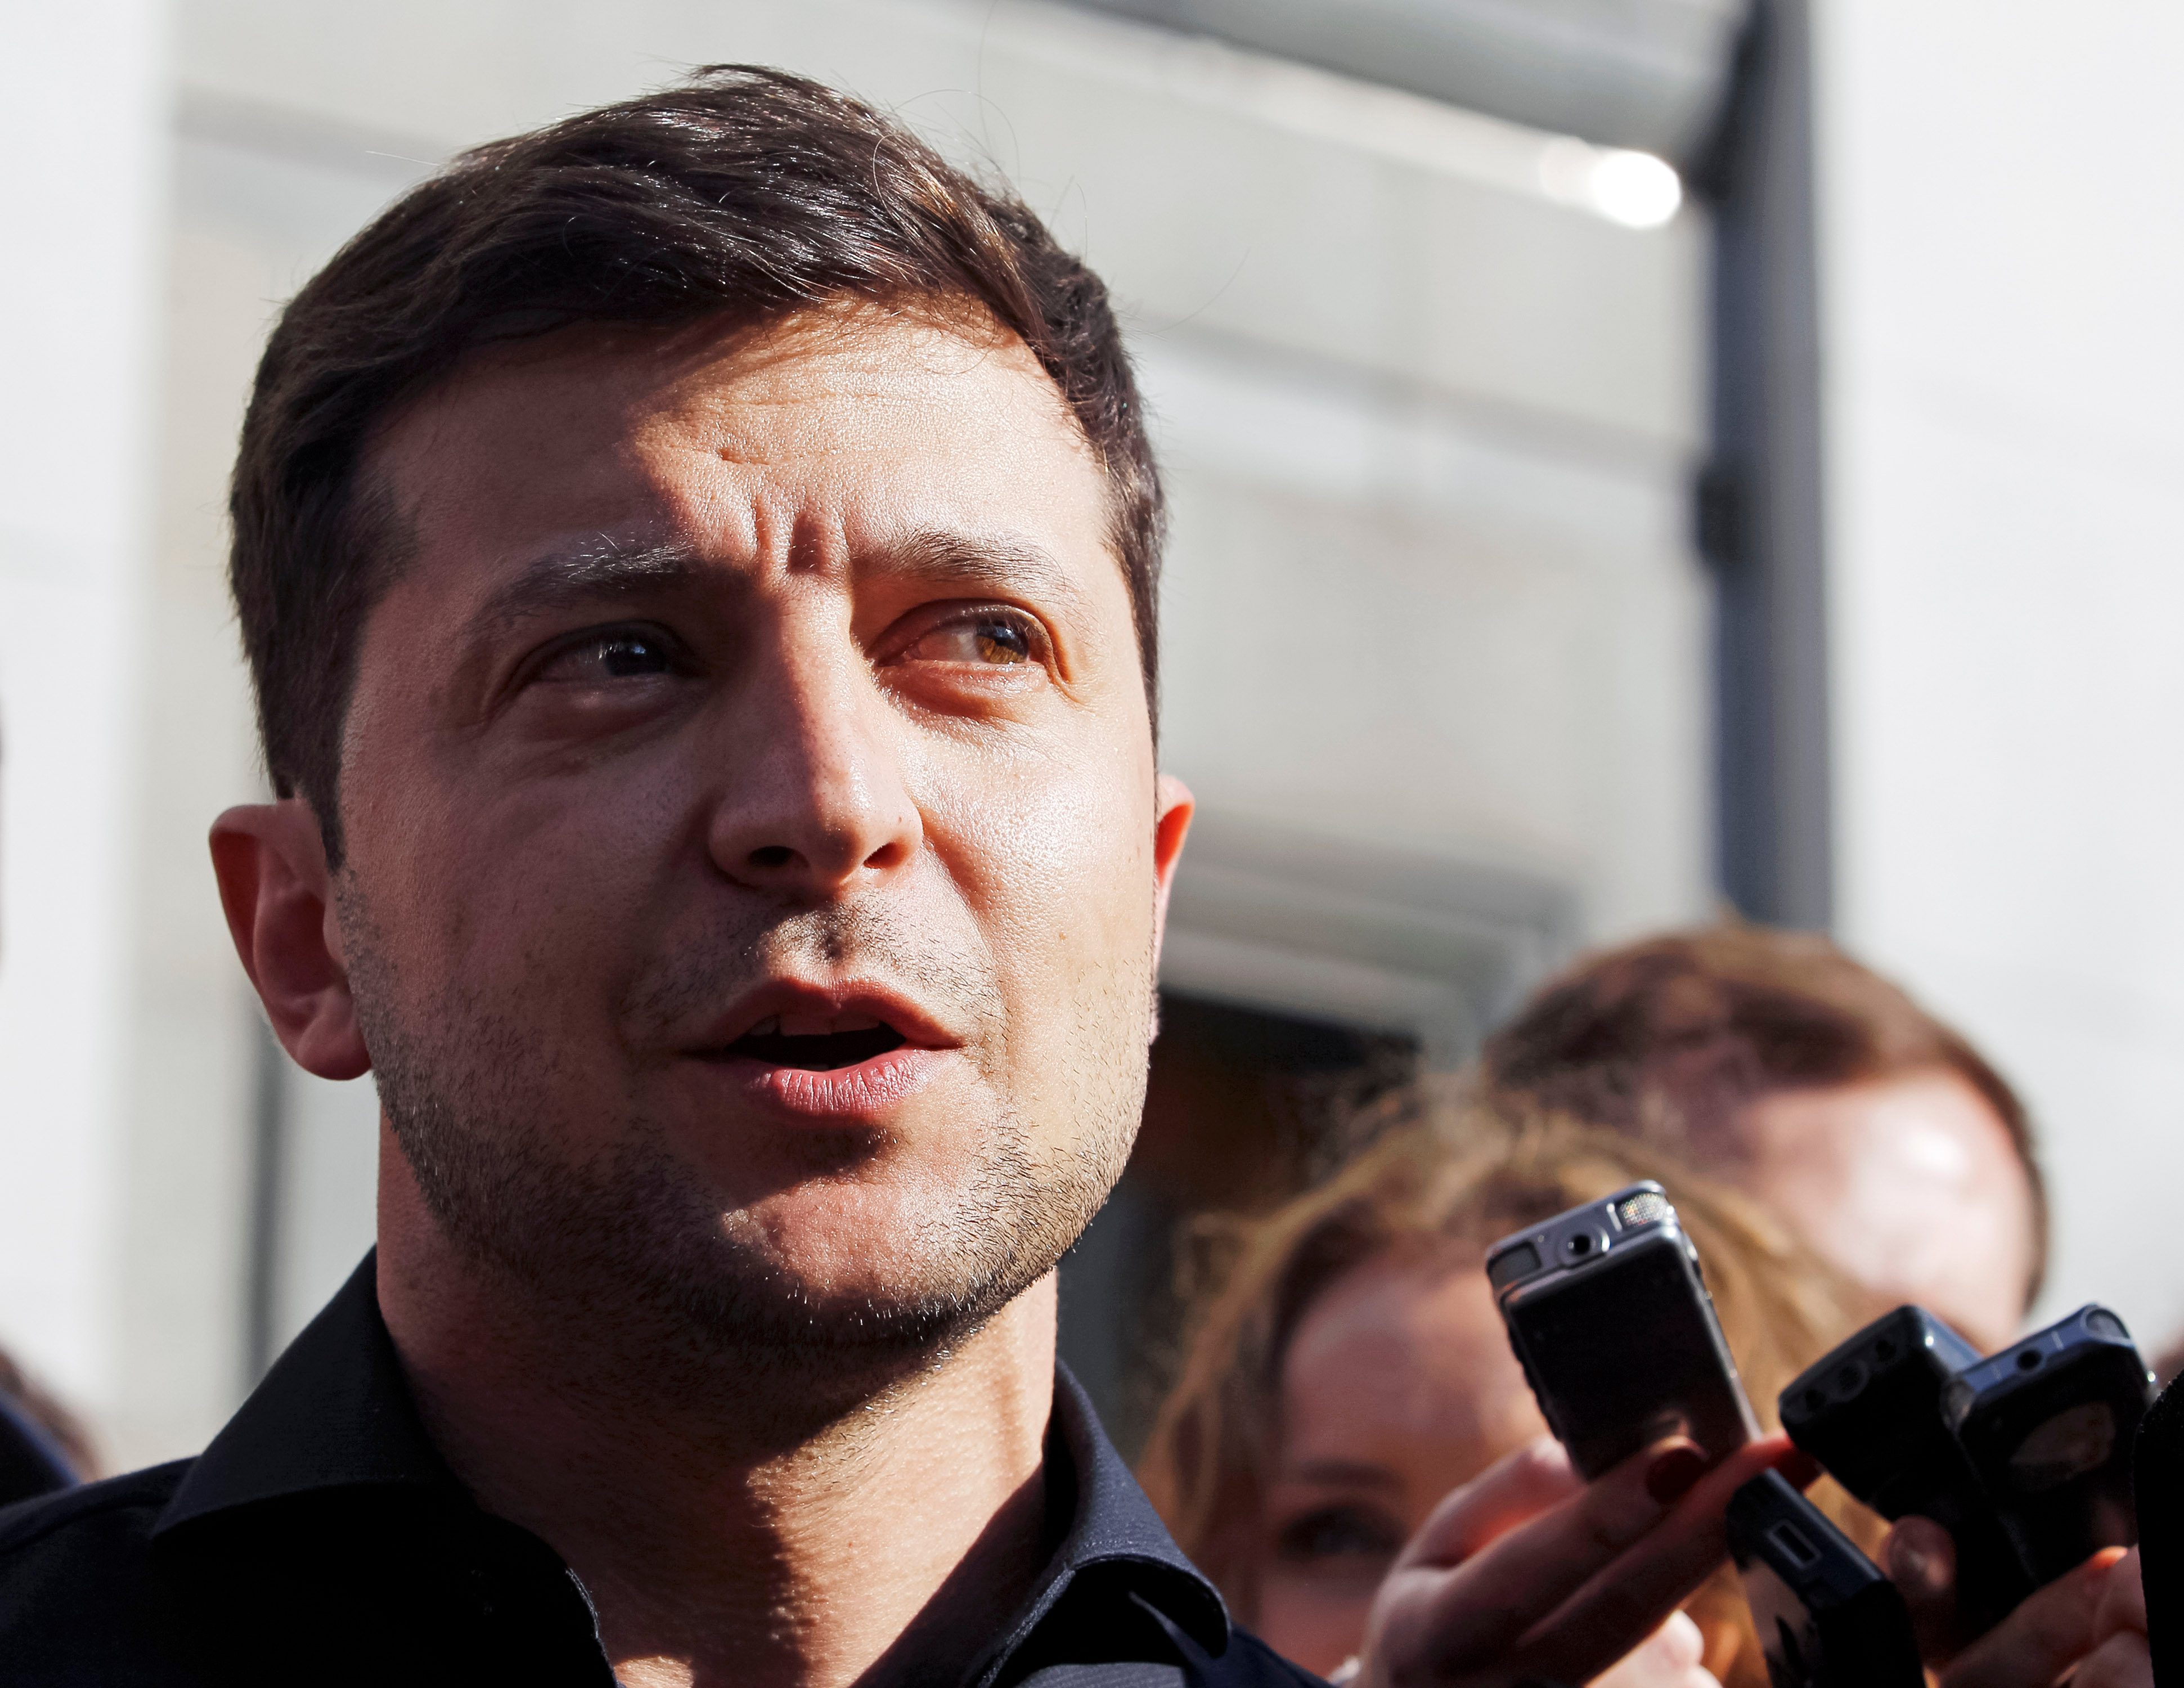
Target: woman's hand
[(2093, 1619), (1530, 1574)]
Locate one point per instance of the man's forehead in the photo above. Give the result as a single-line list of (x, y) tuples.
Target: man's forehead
[(831, 379), (857, 440), (639, 433)]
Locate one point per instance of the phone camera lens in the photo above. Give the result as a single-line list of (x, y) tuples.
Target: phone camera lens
[(1849, 1380), (2029, 1361), (1579, 1246)]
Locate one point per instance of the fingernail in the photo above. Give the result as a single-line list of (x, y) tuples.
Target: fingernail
[(1672, 1476)]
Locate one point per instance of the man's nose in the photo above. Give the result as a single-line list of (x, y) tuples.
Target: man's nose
[(816, 799)]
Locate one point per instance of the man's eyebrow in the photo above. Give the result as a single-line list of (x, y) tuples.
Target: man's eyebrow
[(605, 569), (1009, 567), (608, 568)]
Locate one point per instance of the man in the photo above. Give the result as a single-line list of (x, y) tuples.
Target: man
[(697, 565), (1780, 1064)]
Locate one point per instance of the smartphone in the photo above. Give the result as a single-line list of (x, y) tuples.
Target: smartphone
[(2048, 1424), (1826, 1616), (1873, 1411), (1610, 1319)]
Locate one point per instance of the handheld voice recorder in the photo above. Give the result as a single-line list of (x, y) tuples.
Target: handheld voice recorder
[(1610, 1317), (1826, 1616), (1872, 1412), (2048, 1424)]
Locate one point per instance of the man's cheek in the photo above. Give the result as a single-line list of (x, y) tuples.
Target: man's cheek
[(1077, 970), (550, 952)]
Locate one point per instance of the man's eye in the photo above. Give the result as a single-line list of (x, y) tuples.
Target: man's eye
[(993, 641), (629, 653), (1338, 1532)]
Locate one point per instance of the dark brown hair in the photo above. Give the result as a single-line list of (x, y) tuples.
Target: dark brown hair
[(743, 192), (1671, 1038)]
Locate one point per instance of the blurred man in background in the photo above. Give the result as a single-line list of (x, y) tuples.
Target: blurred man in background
[(1776, 1062)]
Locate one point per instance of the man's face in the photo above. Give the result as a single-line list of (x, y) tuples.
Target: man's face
[(1911, 1186), (753, 840)]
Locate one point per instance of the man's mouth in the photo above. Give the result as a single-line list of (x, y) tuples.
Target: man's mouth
[(816, 1045), (850, 1055)]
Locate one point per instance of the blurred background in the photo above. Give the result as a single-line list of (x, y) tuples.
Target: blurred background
[(1629, 459)]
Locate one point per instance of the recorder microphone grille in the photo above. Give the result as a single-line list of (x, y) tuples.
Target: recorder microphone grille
[(1642, 1209)]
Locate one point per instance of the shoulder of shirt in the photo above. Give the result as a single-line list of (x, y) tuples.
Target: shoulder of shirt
[(101, 1506)]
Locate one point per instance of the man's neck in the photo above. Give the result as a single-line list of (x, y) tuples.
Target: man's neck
[(889, 1546)]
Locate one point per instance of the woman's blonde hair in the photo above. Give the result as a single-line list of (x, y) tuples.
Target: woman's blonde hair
[(1436, 1191)]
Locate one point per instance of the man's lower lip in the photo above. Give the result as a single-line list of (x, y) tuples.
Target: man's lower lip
[(864, 1094)]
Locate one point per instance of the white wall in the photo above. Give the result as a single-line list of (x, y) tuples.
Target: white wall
[(2004, 266), (83, 128)]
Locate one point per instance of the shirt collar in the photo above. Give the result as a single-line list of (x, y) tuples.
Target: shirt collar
[(336, 1412), (1112, 1528)]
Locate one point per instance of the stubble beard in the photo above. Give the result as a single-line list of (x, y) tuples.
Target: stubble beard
[(636, 1256)]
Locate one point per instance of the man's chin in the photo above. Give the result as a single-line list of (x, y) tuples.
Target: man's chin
[(856, 1265), (838, 1336), (829, 1254), (856, 1284)]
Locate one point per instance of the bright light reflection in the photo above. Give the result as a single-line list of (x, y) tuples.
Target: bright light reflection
[(1635, 189)]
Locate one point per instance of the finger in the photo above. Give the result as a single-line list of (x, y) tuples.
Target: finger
[(1667, 1658), (1680, 1644), (2050, 1632), (2122, 1661), (2122, 1610), (1622, 1601), (1517, 1581), (1920, 1558), (1444, 1618), (1517, 1487)]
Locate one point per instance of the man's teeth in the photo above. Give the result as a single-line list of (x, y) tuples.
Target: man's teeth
[(811, 1025)]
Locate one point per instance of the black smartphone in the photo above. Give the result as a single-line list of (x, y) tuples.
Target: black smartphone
[(1610, 1319), (1826, 1616), (2048, 1424), (1873, 1411)]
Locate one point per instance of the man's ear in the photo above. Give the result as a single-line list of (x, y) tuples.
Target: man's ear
[(1173, 808), (271, 864)]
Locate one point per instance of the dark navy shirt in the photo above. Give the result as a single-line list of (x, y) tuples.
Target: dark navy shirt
[(321, 1539)]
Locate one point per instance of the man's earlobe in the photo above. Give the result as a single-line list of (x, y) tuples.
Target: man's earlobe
[(271, 865), (1173, 808)]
